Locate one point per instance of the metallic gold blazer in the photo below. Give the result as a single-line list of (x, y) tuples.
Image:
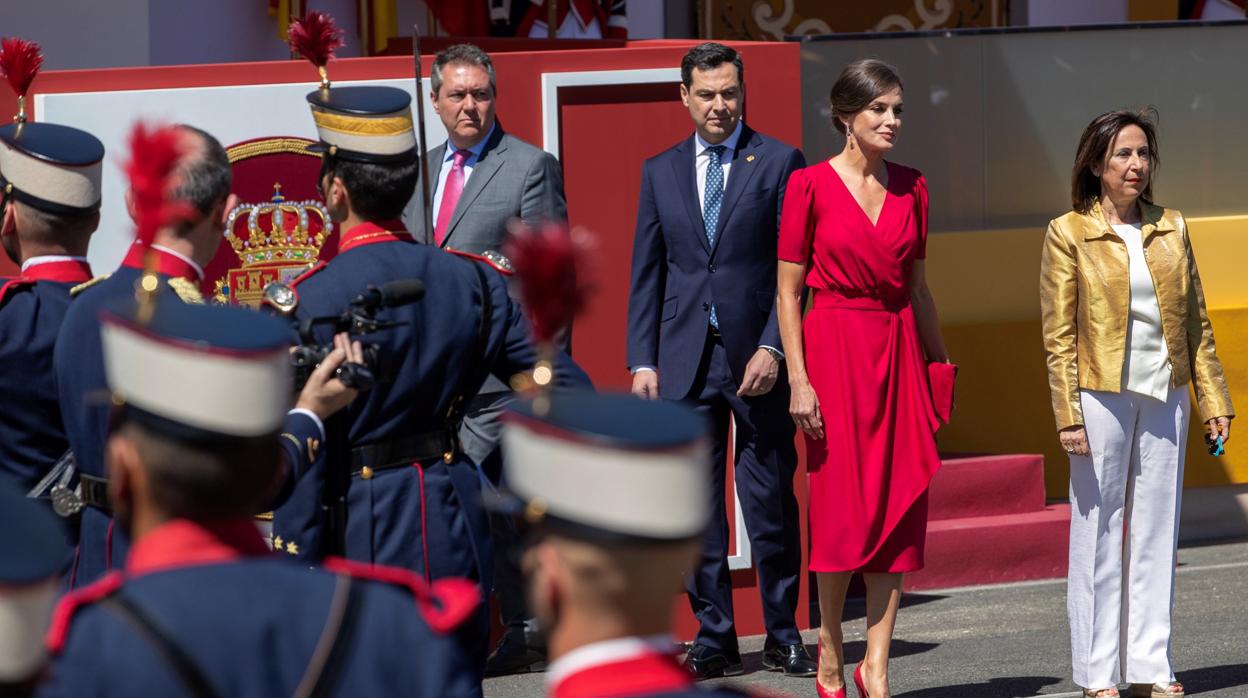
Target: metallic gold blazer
[(1085, 300)]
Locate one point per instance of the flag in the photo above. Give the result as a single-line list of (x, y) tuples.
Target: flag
[(378, 21), (284, 11)]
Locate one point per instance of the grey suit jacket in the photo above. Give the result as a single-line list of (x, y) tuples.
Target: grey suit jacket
[(512, 179)]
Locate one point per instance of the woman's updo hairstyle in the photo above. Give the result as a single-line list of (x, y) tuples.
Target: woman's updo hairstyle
[(860, 83)]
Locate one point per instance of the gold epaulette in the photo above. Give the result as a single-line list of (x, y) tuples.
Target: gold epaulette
[(73, 292), (186, 290)]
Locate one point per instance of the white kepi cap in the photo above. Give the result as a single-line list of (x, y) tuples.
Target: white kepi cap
[(608, 467), (51, 167), (199, 373), (33, 553)]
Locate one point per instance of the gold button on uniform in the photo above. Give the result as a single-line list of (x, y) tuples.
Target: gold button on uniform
[(448, 457), (366, 473)]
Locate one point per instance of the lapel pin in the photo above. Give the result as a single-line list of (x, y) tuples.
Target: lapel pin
[(749, 158)]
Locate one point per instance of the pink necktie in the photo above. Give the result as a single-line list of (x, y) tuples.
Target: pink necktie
[(450, 195)]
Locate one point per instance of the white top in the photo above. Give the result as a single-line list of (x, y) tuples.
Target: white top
[(1146, 367), (448, 157), (702, 158)]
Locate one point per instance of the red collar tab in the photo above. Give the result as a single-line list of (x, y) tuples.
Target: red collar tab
[(183, 543), (63, 616), (372, 233), (648, 673), (166, 264), (71, 271), (13, 285), (444, 605)]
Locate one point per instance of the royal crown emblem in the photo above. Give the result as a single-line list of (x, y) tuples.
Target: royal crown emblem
[(275, 241)]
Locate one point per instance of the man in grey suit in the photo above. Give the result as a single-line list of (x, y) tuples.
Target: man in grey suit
[(483, 177)]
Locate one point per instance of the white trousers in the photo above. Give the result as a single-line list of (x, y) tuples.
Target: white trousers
[(1124, 529)]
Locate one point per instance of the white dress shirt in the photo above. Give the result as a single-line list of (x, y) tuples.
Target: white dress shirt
[(1147, 364), (702, 159), (470, 162)]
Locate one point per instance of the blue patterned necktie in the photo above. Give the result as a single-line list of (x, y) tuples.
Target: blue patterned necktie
[(714, 196)]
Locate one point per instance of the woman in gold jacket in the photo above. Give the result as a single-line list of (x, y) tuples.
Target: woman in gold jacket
[(1125, 331)]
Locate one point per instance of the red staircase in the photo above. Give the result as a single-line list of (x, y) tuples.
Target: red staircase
[(988, 523)]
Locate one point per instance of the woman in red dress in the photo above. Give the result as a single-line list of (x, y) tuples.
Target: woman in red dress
[(854, 229)]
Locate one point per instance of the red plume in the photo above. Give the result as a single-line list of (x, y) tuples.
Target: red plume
[(315, 36), (20, 61), (554, 269), (154, 153)]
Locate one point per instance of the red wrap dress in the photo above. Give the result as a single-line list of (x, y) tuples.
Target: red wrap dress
[(868, 477)]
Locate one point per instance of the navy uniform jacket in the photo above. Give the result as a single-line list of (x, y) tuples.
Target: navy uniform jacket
[(32, 308), (85, 403), (423, 515), (252, 624), (627, 668), (677, 274)]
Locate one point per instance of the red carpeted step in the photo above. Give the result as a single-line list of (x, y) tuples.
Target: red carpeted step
[(995, 549), (987, 486)]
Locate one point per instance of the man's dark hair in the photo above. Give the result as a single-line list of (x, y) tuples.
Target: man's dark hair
[(709, 56), (1093, 151), (206, 178), (48, 228), (461, 53), (379, 192), (228, 479)]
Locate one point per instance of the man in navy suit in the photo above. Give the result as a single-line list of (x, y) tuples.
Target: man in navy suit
[(702, 328)]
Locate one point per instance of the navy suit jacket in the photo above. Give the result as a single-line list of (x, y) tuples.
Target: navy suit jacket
[(677, 274)]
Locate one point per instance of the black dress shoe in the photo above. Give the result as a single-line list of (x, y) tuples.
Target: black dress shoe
[(514, 656), (708, 663), (793, 660)]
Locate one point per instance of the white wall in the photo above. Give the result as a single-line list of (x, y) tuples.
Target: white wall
[(1047, 13), (646, 20), (79, 34)]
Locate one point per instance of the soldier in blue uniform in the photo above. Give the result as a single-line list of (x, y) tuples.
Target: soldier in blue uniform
[(610, 495), (49, 207), (32, 554), (402, 492), (203, 607), (177, 255)]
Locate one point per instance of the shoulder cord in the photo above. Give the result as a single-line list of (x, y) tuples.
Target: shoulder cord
[(161, 640)]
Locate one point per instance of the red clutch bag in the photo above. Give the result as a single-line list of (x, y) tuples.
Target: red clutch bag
[(940, 377)]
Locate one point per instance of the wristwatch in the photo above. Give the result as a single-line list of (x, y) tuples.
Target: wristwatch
[(774, 354)]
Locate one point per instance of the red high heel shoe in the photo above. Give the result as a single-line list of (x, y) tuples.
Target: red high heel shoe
[(819, 689), (862, 688)]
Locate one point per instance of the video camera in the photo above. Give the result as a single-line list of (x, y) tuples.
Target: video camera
[(359, 318)]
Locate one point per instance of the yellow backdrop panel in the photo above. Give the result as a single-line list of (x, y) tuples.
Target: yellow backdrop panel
[(986, 286)]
